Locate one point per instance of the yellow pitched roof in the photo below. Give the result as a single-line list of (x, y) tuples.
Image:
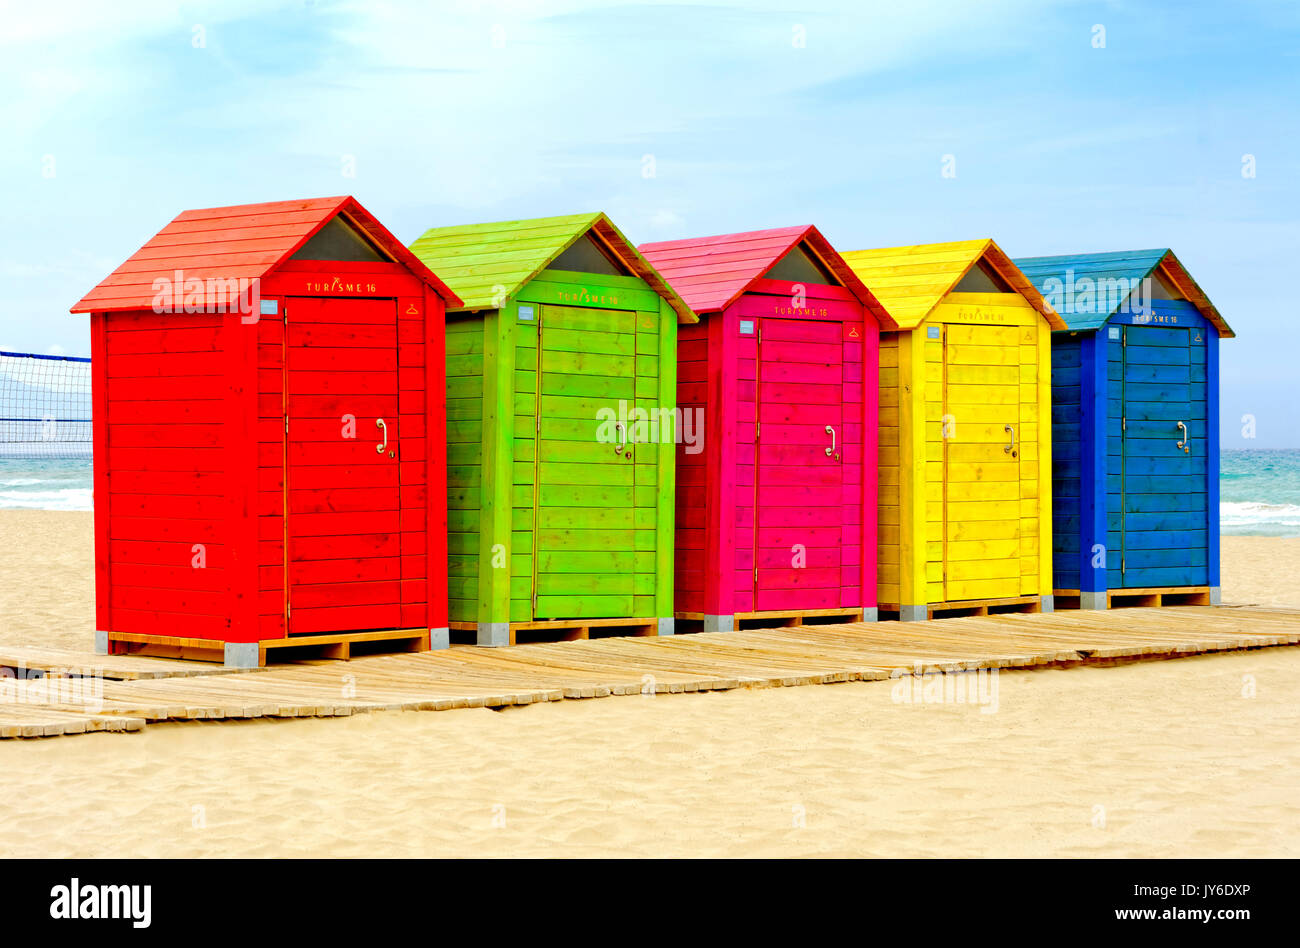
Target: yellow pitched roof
[(912, 281)]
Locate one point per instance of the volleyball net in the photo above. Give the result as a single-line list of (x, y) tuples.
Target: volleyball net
[(44, 406)]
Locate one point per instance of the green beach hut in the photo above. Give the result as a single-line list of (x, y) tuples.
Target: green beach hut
[(561, 389)]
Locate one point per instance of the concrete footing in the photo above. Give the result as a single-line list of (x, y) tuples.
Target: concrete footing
[(667, 626), (1093, 600), (1216, 595), (493, 633), (439, 639), (719, 623), (871, 615), (241, 655), (1049, 604), (101, 642), (913, 613)]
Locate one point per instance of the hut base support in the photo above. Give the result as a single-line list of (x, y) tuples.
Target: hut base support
[(242, 655), (439, 638), (793, 618), (973, 607), (1093, 600), (774, 619), (1216, 595), (1163, 596), (1151, 596), (335, 645), (101, 642), (667, 626), (497, 634), (494, 634)]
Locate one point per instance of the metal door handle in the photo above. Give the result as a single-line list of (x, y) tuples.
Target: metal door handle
[(830, 452), (1187, 437), (381, 448), (1010, 448)]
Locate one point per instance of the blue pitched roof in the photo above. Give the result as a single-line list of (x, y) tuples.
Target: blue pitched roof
[(1131, 266)]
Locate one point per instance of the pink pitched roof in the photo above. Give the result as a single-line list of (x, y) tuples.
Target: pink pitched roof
[(244, 241), (710, 273)]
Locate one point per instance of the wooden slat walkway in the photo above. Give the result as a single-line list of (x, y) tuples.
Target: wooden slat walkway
[(816, 654), (28, 709), (35, 721), (61, 661)]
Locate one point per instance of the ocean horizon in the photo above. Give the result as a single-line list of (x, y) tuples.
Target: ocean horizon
[(1259, 489)]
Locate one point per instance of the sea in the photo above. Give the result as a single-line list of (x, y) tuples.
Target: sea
[(46, 483), (1259, 493), (1259, 490)]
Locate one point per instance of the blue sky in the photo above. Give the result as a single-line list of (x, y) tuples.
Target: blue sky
[(678, 120)]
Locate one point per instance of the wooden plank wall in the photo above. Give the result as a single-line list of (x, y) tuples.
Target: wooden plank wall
[(745, 443), (422, 549), (585, 493), (1012, 325), (664, 454), (597, 508), (854, 537), (973, 548), (357, 531), (272, 406), (464, 462), (1158, 504), (691, 564), (801, 499), (912, 532), (889, 537), (1067, 459), (168, 402), (523, 537)]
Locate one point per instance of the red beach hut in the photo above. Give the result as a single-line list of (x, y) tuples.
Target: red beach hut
[(269, 437), (778, 391)]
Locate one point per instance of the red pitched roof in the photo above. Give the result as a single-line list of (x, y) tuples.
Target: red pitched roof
[(247, 240), (710, 273)]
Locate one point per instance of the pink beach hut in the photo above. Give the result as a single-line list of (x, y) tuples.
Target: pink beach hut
[(776, 470)]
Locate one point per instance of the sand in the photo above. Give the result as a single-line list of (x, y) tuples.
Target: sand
[(1261, 570), (1186, 757), (47, 578)]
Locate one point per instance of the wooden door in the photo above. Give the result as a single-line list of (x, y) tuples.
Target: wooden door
[(1162, 483), (981, 450), (585, 525), (343, 539), (799, 468)]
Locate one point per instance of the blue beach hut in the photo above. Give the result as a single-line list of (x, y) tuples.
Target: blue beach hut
[(1135, 429)]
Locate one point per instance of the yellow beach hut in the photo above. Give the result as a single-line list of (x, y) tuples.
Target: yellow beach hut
[(965, 430)]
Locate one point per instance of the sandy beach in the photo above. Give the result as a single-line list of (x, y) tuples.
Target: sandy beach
[(1187, 757)]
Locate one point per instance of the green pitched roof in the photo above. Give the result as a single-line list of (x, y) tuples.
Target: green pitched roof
[(484, 263)]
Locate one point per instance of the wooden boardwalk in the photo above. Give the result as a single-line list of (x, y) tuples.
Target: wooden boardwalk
[(812, 654), (65, 662)]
